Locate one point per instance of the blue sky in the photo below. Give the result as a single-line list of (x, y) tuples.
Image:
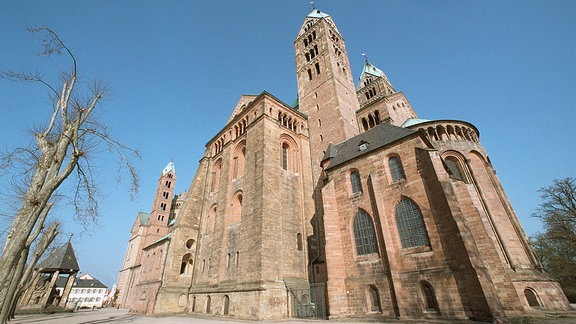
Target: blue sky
[(177, 68)]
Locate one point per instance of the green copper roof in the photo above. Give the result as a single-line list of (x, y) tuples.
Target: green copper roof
[(317, 14), (144, 217), (169, 167), (414, 121), (371, 69)]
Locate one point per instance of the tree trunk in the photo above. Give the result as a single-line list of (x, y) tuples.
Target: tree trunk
[(11, 292)]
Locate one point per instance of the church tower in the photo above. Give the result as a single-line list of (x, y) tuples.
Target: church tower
[(160, 214), (146, 232), (379, 101), (326, 91)]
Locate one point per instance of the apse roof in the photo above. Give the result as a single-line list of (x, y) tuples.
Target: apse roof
[(63, 259), (372, 139), (414, 121)]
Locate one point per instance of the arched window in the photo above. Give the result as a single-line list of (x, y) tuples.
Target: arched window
[(396, 170), (285, 157), (216, 175), (429, 296), (239, 158), (453, 167), (374, 299), (211, 218), (410, 224), (364, 234), (237, 207), (355, 182), (208, 305), (531, 297), (186, 264), (226, 310), (289, 153)]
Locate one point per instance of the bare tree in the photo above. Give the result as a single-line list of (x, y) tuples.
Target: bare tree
[(556, 245), (63, 145)]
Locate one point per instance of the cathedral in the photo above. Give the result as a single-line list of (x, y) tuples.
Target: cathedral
[(345, 204)]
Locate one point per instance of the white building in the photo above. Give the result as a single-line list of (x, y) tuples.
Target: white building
[(87, 292)]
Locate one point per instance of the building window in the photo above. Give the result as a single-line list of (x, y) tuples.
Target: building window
[(532, 298), (355, 182), (411, 228), (374, 299), (364, 235), (299, 241), (309, 74), (208, 305), (226, 310), (453, 168), (285, 149), (396, 170), (317, 65), (216, 175), (211, 218), (236, 208), (186, 264), (239, 158), (429, 296)]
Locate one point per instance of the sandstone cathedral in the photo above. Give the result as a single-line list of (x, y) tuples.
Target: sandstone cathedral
[(345, 204)]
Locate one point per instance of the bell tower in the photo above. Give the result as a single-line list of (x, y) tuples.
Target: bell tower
[(326, 91), (160, 214)]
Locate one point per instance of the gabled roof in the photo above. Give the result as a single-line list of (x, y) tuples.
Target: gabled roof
[(80, 283), (243, 102), (375, 138), (63, 260)]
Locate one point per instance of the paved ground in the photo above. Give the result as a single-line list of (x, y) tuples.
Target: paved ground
[(111, 315)]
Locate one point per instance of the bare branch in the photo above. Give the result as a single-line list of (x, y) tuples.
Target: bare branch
[(53, 44), (26, 77)]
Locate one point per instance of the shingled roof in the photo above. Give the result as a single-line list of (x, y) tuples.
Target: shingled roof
[(375, 138), (63, 260), (81, 283)]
